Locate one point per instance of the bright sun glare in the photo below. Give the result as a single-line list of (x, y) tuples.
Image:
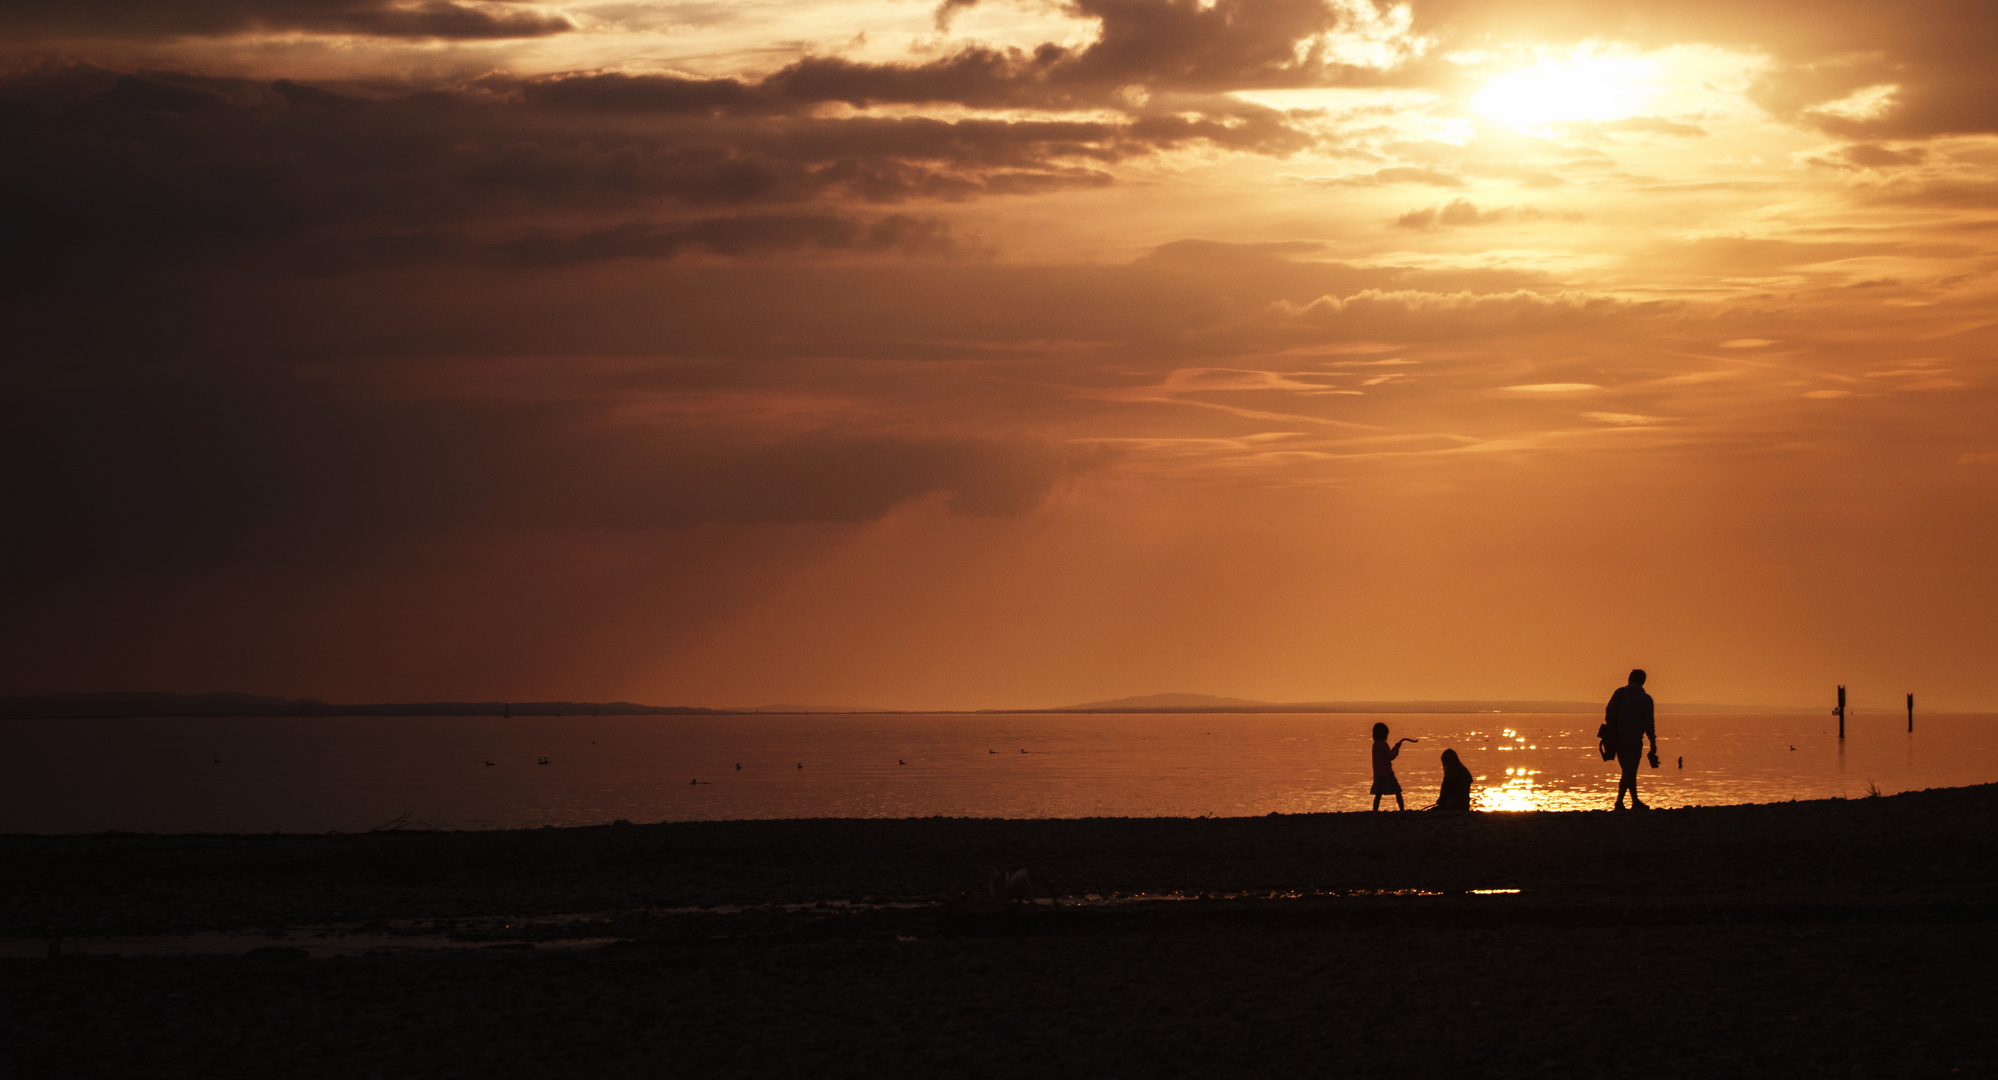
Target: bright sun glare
[(1583, 87)]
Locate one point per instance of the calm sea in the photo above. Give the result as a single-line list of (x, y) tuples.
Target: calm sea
[(351, 774)]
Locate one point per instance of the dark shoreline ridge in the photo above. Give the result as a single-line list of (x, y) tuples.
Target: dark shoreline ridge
[(1928, 846), (153, 704), (1823, 938)]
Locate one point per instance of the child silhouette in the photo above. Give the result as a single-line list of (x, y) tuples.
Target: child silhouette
[(1384, 755)]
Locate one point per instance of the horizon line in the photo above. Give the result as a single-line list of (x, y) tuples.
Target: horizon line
[(135, 704)]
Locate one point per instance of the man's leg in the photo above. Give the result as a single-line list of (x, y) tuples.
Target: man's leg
[(1630, 759), (1377, 804)]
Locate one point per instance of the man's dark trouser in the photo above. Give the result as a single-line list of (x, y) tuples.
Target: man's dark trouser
[(1628, 755)]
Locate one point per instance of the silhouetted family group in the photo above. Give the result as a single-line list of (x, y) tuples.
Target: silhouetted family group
[(1628, 720)]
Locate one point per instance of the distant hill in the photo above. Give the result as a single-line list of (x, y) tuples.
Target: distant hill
[(1168, 702), (147, 703), (812, 709)]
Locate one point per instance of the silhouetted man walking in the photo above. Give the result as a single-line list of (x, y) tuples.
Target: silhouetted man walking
[(1630, 719)]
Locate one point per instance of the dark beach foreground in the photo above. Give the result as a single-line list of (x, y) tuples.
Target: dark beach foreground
[(1835, 938)]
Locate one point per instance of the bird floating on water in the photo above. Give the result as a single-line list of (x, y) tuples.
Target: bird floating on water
[(899, 761), (489, 764), (543, 761)]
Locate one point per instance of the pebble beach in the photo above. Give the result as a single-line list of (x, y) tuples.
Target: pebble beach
[(1827, 938)]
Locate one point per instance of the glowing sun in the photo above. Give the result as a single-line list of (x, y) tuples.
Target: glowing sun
[(1584, 87)]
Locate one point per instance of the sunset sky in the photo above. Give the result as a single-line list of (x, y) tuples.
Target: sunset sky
[(1001, 353)]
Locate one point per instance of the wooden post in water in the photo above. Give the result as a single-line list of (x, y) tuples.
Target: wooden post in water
[(1841, 712), (1911, 712)]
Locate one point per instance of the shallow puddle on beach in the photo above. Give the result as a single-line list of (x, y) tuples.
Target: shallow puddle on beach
[(547, 931), (356, 773), (231, 944)]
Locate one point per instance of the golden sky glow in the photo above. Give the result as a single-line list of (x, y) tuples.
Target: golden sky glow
[(1003, 354)]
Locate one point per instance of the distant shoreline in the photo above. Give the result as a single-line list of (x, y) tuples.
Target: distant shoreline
[(150, 705)]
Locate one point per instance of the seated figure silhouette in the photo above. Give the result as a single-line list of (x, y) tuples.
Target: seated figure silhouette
[(1456, 784)]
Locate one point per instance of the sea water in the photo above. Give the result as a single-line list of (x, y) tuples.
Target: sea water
[(356, 773)]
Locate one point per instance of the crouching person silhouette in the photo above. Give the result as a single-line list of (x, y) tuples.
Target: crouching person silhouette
[(1456, 784)]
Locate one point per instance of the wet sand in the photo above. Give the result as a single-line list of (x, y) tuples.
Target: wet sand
[(1834, 938)]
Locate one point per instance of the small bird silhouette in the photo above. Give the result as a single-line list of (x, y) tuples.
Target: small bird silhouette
[(899, 761), (992, 751), (1793, 748), (694, 781), (218, 761), (489, 764), (1023, 751), (738, 766), (1682, 762), (801, 764)]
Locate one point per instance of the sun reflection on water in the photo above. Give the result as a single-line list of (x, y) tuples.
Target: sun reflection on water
[(1517, 740), (1517, 793)]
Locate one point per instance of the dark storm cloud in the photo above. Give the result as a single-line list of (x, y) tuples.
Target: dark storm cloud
[(168, 474), (615, 91), (736, 236), (1178, 46), (1226, 45), (138, 19), (748, 235), (105, 171), (975, 76)]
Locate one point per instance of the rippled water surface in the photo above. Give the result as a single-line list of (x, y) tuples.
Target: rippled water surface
[(300, 775)]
